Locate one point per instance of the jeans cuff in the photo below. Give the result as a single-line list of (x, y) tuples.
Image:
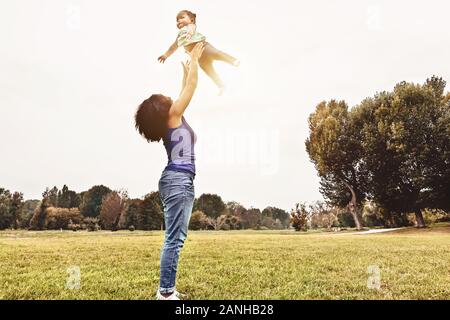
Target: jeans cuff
[(166, 290)]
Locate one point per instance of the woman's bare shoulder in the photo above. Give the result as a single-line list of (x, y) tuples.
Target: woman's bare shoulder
[(174, 121)]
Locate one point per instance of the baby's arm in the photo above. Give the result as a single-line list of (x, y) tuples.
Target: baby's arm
[(169, 52)]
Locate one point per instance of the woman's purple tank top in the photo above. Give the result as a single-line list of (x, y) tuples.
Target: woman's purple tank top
[(179, 143)]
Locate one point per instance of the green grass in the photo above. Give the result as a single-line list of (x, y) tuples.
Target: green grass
[(414, 264)]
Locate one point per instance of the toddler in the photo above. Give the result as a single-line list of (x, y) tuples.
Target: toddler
[(187, 37)]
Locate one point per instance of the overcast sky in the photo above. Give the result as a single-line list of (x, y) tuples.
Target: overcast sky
[(73, 73)]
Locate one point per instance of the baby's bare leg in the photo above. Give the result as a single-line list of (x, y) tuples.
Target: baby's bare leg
[(215, 54), (206, 64)]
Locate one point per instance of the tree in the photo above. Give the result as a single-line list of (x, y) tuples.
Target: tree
[(299, 217), (16, 209), (335, 150), (150, 217), (322, 215), (211, 204), (277, 214), (37, 222), (113, 209), (133, 213), (268, 222), (228, 222), (198, 221), (28, 208), (251, 218), (406, 147), (52, 196), (67, 198), (61, 218), (235, 208), (6, 217), (91, 202)]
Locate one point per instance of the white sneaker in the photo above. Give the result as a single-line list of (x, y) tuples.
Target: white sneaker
[(180, 295), (173, 296)]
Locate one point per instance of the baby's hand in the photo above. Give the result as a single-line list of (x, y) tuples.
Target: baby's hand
[(162, 58)]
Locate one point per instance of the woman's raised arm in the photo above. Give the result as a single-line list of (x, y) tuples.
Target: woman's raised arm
[(189, 84)]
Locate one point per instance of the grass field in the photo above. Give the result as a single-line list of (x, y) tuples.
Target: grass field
[(414, 264)]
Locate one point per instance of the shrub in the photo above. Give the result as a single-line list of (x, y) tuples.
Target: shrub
[(268, 222), (90, 224), (198, 221), (60, 218), (74, 227), (299, 217), (434, 215), (345, 219), (225, 226)]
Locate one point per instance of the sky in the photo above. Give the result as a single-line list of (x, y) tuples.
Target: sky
[(74, 71)]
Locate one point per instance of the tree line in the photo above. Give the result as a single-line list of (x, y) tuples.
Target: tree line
[(378, 162), (391, 150), (103, 208)]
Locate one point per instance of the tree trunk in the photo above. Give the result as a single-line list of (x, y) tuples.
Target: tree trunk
[(354, 208), (420, 222), (388, 219)]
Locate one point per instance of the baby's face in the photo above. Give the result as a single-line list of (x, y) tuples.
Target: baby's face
[(183, 20)]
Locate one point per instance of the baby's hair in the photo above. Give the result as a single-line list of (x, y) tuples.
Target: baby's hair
[(189, 13)]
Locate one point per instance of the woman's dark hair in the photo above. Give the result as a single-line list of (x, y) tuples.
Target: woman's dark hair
[(190, 14), (151, 117)]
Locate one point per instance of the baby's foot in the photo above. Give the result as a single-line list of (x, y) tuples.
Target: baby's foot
[(237, 63)]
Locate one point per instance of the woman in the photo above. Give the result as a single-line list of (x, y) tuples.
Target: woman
[(158, 118)]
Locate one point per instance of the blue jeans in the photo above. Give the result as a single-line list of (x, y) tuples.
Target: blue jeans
[(176, 189)]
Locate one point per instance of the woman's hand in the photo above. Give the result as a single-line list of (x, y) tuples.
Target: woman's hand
[(197, 51)]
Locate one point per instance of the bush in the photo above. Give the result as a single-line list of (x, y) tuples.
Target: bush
[(225, 226), (434, 215), (299, 217), (60, 218), (90, 224), (74, 227), (198, 221), (233, 222), (345, 219)]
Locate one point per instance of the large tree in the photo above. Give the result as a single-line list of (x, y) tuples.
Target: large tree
[(67, 198), (277, 214), (405, 143), (28, 208), (37, 222), (150, 216), (134, 207), (5, 209), (16, 209), (113, 209), (91, 202), (251, 218), (334, 147), (210, 204)]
